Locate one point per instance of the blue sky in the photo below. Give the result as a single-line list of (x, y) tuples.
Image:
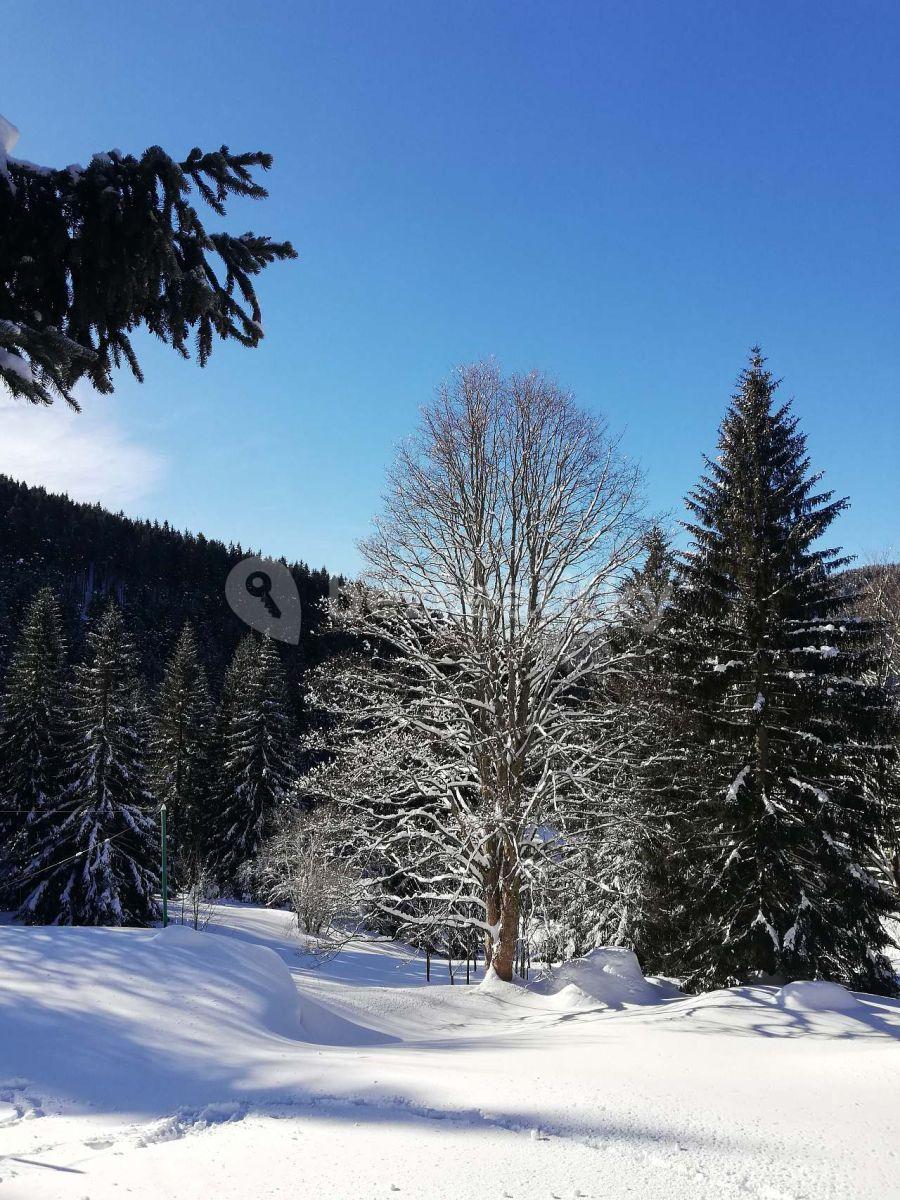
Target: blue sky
[(624, 194)]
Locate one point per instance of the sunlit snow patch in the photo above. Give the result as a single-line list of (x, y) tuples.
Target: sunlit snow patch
[(610, 976), (248, 980), (817, 996)]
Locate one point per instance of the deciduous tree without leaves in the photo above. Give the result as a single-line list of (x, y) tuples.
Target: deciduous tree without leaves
[(508, 520)]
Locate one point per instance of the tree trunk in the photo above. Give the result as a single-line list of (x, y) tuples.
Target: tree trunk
[(502, 900), (491, 884), (504, 949)]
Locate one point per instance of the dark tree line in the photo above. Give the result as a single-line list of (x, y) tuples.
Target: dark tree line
[(193, 670), (163, 578), (88, 755)]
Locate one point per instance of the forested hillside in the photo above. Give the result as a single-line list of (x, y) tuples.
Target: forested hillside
[(159, 576)]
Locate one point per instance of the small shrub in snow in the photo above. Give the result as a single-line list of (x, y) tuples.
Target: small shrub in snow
[(301, 867)]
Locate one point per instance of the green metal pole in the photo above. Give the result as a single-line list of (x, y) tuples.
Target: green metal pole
[(165, 871)]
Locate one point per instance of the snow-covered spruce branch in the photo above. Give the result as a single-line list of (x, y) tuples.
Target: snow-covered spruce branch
[(89, 253)]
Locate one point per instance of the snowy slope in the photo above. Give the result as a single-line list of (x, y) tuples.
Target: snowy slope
[(231, 1064)]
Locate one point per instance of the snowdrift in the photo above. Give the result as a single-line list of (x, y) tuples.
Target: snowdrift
[(251, 980), (137, 1019), (610, 976), (818, 996)]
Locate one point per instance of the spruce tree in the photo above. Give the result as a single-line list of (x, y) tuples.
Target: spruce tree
[(96, 861), (234, 685), (32, 733), (180, 759), (779, 824), (257, 745), (646, 594), (89, 253), (616, 899)]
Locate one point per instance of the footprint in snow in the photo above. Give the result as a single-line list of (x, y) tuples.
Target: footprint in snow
[(189, 1120)]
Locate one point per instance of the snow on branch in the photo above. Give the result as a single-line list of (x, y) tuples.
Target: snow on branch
[(473, 716)]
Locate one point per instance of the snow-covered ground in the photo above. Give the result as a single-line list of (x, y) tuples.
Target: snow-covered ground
[(230, 1064)]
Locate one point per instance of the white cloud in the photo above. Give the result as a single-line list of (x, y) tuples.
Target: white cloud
[(87, 455)]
